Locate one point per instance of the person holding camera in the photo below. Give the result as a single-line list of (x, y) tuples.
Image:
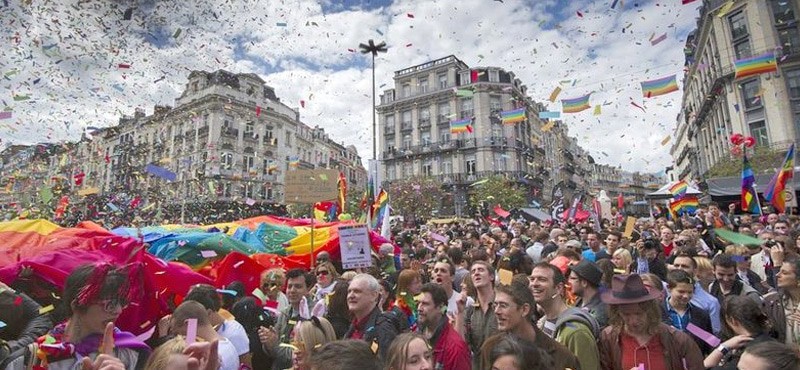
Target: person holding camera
[(649, 257)]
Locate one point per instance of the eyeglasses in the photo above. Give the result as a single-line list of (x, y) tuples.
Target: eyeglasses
[(322, 273), (111, 305)]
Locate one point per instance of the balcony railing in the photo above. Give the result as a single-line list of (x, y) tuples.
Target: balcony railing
[(442, 146), (230, 132), (406, 126)]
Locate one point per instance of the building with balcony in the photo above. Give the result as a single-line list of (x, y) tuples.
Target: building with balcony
[(229, 138), (632, 185), (415, 137), (716, 105)]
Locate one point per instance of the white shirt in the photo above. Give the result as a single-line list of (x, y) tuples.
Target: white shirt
[(228, 355), (235, 333), (452, 303)]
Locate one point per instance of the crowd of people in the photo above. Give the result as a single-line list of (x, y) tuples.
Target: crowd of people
[(662, 294)]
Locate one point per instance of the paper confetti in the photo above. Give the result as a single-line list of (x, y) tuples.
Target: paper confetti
[(5, 115), (665, 140), (554, 94), (654, 42), (191, 331), (208, 253), (46, 309)]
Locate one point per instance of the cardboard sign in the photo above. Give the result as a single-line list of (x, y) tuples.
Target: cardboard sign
[(354, 246), (506, 276), (311, 186), (630, 222)]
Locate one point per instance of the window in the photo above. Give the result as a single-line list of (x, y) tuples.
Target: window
[(786, 26), (406, 141), (789, 40), (406, 90), (793, 82), (288, 138), (427, 168), (226, 190), (268, 192), (467, 109), (495, 104), (408, 171), (423, 85), (390, 172), (447, 167), (470, 165), (750, 90), (424, 115), (249, 162), (226, 159), (406, 120), (227, 122), (425, 137), (194, 86), (444, 112), (464, 78), (742, 49), (494, 76), (443, 80), (444, 135), (249, 129), (758, 130), (497, 131), (738, 24), (783, 12)]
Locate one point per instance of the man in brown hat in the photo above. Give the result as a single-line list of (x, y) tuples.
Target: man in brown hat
[(636, 336)]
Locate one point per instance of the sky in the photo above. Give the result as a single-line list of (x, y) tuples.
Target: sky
[(68, 65)]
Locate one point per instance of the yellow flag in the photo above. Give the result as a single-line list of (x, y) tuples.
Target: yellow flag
[(554, 94), (725, 9)]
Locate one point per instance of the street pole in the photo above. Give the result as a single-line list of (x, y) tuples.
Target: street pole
[(374, 49), (374, 120)]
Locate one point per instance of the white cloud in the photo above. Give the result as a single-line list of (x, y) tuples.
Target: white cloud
[(542, 42)]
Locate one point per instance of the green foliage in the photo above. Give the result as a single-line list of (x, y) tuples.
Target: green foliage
[(415, 197), (762, 159), (498, 190)]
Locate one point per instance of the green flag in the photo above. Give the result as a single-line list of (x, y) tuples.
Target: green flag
[(737, 238)]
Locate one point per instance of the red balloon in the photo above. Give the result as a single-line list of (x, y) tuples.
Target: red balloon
[(749, 141), (736, 150), (737, 139)]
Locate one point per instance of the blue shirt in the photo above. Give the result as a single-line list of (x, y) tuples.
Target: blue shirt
[(710, 304), (589, 255), (677, 320)]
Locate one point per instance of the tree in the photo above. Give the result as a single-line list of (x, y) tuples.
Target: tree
[(496, 190), (763, 159), (415, 197)]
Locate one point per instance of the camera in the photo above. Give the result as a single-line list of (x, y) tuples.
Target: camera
[(770, 243)]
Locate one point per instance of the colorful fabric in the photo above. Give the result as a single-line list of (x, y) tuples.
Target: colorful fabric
[(749, 194), (679, 188), (342, 193), (759, 64), (460, 126), (776, 186), (513, 116), (659, 86), (685, 205), (379, 208), (575, 105)]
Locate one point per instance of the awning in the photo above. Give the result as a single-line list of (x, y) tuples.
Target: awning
[(732, 186), (664, 193), (533, 214)]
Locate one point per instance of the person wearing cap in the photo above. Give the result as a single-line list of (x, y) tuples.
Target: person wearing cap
[(636, 337), (584, 279), (573, 327)]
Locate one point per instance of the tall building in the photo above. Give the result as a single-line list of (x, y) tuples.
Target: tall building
[(229, 138), (717, 105), (416, 137)]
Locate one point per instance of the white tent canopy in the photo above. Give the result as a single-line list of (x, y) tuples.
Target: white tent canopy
[(663, 192)]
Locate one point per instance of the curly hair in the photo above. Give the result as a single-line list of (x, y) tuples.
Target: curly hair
[(651, 308)]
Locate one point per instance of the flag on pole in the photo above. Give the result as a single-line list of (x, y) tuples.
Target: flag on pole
[(379, 208), (749, 194), (776, 186), (342, 192), (461, 125)]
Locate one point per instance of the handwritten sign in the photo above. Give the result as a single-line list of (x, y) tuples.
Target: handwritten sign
[(311, 186)]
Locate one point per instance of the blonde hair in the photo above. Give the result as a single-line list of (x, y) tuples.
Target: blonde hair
[(736, 250), (160, 357), (276, 274), (625, 256), (703, 264), (314, 333), (330, 268)]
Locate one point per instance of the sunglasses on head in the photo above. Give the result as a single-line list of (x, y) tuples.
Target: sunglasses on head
[(322, 273)]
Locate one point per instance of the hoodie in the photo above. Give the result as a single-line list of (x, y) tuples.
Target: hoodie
[(577, 330)]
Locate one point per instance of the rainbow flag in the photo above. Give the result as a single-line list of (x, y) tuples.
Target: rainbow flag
[(749, 194), (461, 125), (380, 207), (272, 166), (679, 188), (575, 105), (777, 185), (763, 63), (513, 116), (659, 86), (686, 204)]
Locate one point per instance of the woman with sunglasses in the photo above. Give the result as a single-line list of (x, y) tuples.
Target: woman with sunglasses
[(94, 297), (326, 282), (308, 336)]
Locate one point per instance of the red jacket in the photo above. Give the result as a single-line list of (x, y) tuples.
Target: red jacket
[(450, 351)]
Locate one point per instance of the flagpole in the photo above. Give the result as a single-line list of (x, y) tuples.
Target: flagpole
[(794, 194)]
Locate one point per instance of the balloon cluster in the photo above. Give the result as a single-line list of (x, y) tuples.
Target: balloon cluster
[(740, 142)]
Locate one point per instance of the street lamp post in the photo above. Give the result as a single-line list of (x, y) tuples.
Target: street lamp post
[(373, 49)]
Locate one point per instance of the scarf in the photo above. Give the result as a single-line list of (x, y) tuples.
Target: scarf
[(406, 303), (52, 347)]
